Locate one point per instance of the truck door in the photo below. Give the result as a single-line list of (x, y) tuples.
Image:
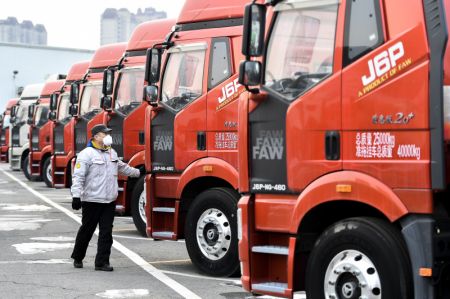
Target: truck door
[(223, 92), (179, 129), (295, 130)]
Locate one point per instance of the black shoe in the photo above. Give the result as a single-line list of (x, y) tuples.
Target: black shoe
[(78, 264), (105, 267)]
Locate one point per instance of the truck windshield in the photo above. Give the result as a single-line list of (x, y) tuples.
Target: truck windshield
[(6, 122), (64, 105), (131, 85), (90, 101), (21, 114), (300, 50), (183, 78), (41, 115)]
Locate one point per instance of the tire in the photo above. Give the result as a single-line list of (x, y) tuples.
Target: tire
[(47, 172), (218, 207), (357, 251), (138, 206), (25, 168)]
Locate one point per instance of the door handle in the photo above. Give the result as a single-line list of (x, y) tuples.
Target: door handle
[(201, 141), (332, 145)]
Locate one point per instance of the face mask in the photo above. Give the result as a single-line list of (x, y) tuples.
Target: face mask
[(107, 141)]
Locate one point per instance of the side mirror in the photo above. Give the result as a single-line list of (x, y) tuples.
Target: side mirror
[(151, 95), (13, 111), (106, 103), (108, 82), (250, 73), (52, 115), (1, 118), (254, 26), (74, 93), (53, 102), (73, 110), (153, 65)]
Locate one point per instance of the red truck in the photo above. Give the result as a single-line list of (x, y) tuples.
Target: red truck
[(126, 112), (191, 134), (85, 108), (63, 140), (41, 133), (343, 161), (5, 130)]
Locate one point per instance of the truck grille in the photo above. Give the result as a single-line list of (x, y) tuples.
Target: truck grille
[(3, 137), (35, 139), (58, 135)]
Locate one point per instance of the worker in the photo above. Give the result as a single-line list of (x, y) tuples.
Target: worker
[(94, 190)]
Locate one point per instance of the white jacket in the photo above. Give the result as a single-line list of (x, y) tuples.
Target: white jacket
[(95, 175)]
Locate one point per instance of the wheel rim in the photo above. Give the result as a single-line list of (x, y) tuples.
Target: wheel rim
[(213, 234), (28, 167), (48, 172), (352, 275), (142, 202)]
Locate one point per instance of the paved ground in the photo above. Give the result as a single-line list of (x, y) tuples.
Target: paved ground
[(37, 230)]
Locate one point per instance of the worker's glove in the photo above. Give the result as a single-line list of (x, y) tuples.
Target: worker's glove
[(76, 203), (142, 172)]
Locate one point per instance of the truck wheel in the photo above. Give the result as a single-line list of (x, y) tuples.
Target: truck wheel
[(138, 201), (211, 232), (359, 258), (25, 168), (47, 172)]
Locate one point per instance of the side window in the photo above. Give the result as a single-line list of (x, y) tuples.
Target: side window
[(220, 62), (363, 29)]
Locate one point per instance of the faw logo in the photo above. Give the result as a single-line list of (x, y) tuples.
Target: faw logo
[(163, 142), (230, 92), (269, 145)]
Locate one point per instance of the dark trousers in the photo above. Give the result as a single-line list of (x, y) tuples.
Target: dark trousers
[(93, 214)]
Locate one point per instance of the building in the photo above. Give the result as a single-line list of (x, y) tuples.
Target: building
[(11, 31), (117, 25), (28, 64)]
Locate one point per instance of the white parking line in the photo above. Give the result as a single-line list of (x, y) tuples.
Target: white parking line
[(174, 285)]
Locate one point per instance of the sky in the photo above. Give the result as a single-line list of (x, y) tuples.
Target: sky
[(76, 24)]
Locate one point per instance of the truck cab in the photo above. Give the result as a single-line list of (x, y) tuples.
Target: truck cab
[(41, 133), (5, 131), (19, 142), (63, 148), (191, 134), (125, 110), (87, 104), (344, 173)]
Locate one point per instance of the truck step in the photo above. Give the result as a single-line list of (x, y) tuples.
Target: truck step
[(15, 159), (59, 172), (272, 287), (270, 249), (35, 165), (163, 235), (59, 185), (164, 210), (120, 189)]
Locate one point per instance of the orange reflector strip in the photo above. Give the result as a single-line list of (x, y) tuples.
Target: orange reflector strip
[(344, 188), (207, 168), (426, 272)]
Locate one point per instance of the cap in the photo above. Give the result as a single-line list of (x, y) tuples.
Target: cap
[(100, 129)]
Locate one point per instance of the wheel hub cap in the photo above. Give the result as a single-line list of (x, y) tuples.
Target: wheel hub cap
[(49, 172), (213, 234), (142, 202), (352, 275)]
